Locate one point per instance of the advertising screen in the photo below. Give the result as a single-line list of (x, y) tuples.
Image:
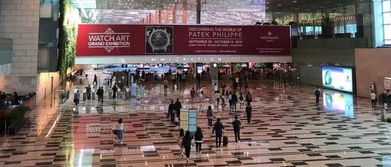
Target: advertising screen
[(341, 103), (337, 78)]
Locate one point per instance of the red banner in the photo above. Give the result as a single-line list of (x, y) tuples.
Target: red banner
[(122, 40)]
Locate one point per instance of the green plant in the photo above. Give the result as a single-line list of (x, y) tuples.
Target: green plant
[(17, 114), (69, 21), (389, 119)]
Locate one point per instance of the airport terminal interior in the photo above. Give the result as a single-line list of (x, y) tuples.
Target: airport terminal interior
[(175, 83)]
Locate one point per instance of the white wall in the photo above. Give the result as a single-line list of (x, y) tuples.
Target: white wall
[(19, 21)]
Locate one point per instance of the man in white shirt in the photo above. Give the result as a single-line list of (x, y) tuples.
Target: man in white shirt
[(373, 99)]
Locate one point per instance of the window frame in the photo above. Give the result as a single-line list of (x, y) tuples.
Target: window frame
[(387, 40)]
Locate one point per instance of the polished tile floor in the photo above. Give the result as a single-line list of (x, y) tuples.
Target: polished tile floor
[(288, 129)]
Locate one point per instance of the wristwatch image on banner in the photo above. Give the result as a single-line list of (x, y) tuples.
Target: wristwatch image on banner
[(158, 39)]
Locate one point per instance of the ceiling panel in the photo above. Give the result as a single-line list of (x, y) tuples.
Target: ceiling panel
[(306, 5)]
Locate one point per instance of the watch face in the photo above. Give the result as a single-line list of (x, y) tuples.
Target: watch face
[(159, 40)]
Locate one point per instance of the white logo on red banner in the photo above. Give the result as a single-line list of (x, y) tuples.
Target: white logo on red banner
[(109, 40)]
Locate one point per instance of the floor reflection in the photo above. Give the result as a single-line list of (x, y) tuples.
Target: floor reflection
[(338, 102)]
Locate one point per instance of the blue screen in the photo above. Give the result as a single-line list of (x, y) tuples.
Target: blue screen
[(337, 78)]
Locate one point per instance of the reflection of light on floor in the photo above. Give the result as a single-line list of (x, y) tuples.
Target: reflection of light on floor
[(386, 161), (54, 125), (147, 148), (85, 157)]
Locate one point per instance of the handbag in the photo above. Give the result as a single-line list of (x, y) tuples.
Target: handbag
[(115, 132)]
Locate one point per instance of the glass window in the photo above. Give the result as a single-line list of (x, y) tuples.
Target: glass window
[(386, 6), (387, 21), (387, 18), (387, 32)]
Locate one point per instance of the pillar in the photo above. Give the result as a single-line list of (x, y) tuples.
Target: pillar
[(160, 17), (174, 15), (198, 10), (166, 16), (184, 12)]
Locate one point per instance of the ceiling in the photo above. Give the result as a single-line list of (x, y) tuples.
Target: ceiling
[(228, 12), (306, 5)]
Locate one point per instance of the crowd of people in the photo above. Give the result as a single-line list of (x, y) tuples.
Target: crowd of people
[(233, 95), (185, 137), (13, 99)]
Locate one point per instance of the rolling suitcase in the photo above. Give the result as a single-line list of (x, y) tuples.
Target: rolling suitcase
[(225, 141)]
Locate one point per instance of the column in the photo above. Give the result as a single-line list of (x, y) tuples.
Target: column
[(198, 10), (184, 12), (174, 14), (160, 17), (166, 16)]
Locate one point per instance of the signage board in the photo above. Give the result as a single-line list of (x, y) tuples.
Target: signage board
[(338, 78), (128, 40)]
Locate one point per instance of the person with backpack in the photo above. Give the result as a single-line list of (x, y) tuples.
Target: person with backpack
[(317, 95), (218, 131), (198, 136), (209, 114), (236, 125), (186, 143)]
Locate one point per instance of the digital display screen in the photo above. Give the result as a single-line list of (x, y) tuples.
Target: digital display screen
[(337, 78), (341, 103), (192, 120)]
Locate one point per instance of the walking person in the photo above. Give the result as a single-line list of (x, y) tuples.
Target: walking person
[(76, 98), (88, 92), (100, 92), (209, 114), (119, 132), (192, 93), (198, 136), (236, 124), (249, 98), (178, 106), (248, 113), (95, 80), (180, 139), (201, 94), (171, 111), (230, 101), (216, 88), (317, 95), (234, 101), (222, 102), (218, 131), (241, 100), (115, 90), (373, 99), (186, 143)]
